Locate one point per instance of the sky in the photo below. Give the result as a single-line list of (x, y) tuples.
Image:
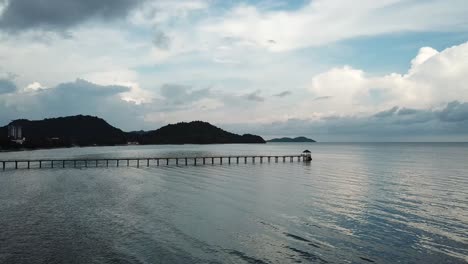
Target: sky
[(332, 70)]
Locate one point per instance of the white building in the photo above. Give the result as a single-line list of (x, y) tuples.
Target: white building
[(15, 132)]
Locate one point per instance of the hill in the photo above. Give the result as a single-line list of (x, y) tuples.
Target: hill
[(93, 131), (196, 132), (68, 131), (297, 139)]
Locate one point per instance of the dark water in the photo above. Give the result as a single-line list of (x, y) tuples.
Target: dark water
[(354, 203)]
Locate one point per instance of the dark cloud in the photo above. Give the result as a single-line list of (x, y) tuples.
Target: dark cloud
[(6, 86), (61, 14), (322, 98), (454, 112), (79, 97), (387, 113), (254, 97), (161, 40), (283, 94), (407, 111), (448, 123), (84, 88)]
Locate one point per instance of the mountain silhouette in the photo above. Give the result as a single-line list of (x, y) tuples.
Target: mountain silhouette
[(84, 130), (196, 132), (287, 139)]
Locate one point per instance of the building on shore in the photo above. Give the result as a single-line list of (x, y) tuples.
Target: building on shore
[(15, 134)]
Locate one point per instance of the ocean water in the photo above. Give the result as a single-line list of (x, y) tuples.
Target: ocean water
[(354, 203)]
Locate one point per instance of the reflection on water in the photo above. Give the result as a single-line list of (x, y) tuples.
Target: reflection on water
[(354, 203)]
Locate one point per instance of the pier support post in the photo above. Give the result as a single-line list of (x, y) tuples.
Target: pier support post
[(237, 160), (118, 161), (157, 162), (195, 161), (229, 160), (204, 161), (245, 160), (291, 159), (40, 164), (212, 161), (147, 163), (16, 165), (221, 160), (186, 163), (284, 159), (177, 161), (167, 161), (128, 163), (107, 163), (253, 159), (29, 165), (261, 159), (138, 163)]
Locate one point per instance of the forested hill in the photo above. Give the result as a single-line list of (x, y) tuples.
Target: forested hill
[(297, 139), (93, 131), (196, 132), (68, 131)]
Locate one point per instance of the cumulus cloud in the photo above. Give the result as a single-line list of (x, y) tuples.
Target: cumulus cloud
[(434, 78), (60, 14)]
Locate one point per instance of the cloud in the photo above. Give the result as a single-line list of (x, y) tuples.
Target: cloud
[(161, 40), (407, 111), (283, 94), (434, 78), (454, 112), (254, 96), (325, 21), (7, 86), (322, 98), (449, 122), (34, 86), (60, 14), (387, 113), (72, 98), (181, 94)]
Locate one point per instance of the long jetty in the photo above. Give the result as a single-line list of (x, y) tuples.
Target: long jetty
[(143, 162)]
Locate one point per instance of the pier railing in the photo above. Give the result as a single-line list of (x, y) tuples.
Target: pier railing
[(143, 162)]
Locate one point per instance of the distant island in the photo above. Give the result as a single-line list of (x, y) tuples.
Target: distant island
[(287, 139), (84, 130)]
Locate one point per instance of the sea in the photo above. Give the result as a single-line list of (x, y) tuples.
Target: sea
[(353, 203)]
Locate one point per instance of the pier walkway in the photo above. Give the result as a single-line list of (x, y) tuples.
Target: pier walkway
[(141, 162)]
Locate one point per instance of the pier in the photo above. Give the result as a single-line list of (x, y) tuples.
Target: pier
[(145, 162)]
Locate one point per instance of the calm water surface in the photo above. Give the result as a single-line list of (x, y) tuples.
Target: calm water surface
[(354, 203)]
